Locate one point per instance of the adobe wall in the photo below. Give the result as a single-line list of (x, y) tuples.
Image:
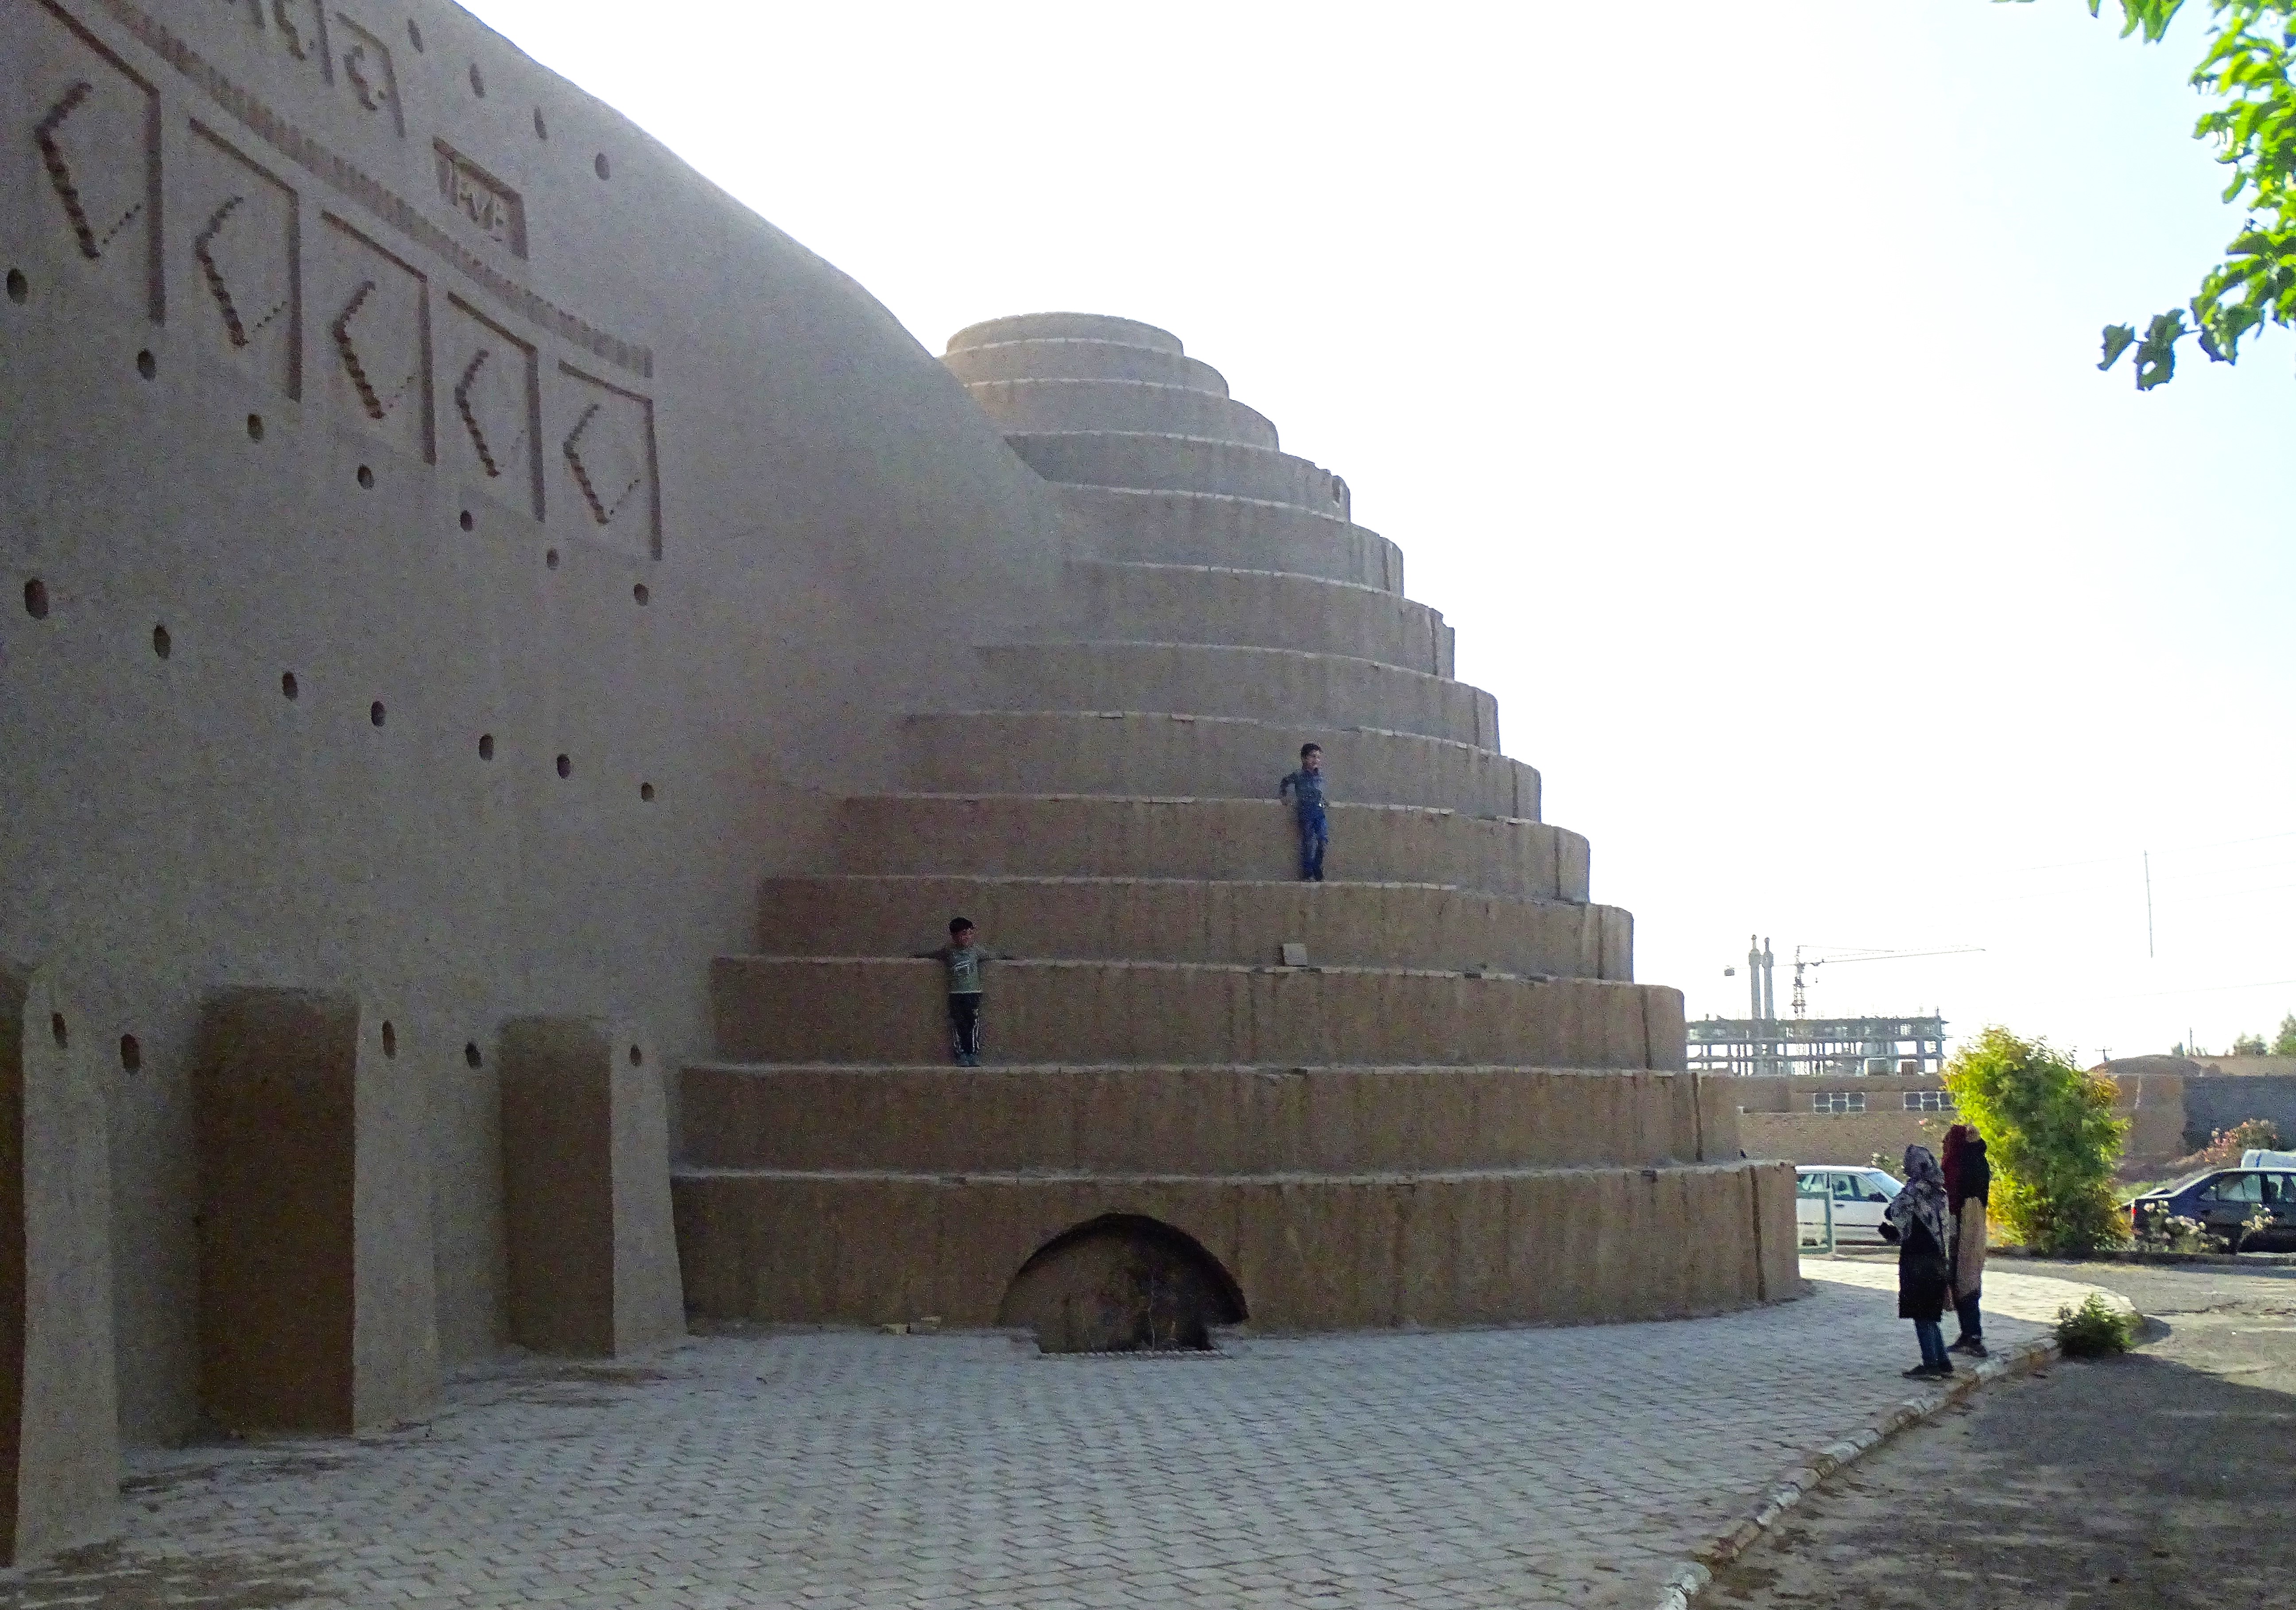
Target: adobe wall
[(386, 420)]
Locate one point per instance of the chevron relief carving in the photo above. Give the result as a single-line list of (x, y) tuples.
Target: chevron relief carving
[(610, 456), (378, 335), (247, 250), (92, 124), (47, 136), (492, 438)]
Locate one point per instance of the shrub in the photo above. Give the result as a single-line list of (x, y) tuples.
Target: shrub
[(2095, 1329), (2248, 1045), (2175, 1234), (2226, 1146), (2050, 1135)]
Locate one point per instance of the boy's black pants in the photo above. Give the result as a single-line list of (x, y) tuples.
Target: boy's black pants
[(964, 1024)]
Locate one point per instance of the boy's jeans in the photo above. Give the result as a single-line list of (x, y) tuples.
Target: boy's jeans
[(1932, 1341), (964, 1024), (1314, 833)]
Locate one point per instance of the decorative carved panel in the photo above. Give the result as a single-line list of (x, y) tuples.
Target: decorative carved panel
[(480, 200), (239, 229), (372, 337), (606, 453), (82, 153), (494, 406)]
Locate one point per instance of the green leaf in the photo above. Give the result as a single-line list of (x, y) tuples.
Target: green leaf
[(2118, 339), (2156, 354)]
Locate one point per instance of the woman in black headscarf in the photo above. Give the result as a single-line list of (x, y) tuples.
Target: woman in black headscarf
[(1919, 1221), (1968, 1182)]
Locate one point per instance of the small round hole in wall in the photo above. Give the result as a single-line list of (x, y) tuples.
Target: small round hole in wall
[(162, 645), (541, 129), (478, 83), (36, 599), (605, 167), (551, 559), (288, 687), (376, 713), (471, 1054), (61, 1030), (255, 427), (414, 34), (485, 746), (641, 595), (131, 1053), (467, 522), (19, 287), (565, 766), (365, 476), (146, 365), (389, 1039), (637, 1057), (646, 791)]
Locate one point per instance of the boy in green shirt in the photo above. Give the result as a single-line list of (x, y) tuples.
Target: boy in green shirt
[(963, 957)]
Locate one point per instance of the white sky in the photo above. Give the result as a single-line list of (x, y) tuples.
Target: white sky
[(1725, 374)]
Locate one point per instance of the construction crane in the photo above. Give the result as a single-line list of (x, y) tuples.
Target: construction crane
[(1841, 956)]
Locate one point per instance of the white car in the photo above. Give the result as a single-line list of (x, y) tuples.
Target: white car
[(1858, 1196)]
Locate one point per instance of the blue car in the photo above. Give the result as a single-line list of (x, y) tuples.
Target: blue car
[(2224, 1201)]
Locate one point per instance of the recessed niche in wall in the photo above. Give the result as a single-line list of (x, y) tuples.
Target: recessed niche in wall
[(605, 167), (414, 34), (19, 287), (162, 645), (389, 1039), (541, 129), (478, 82), (471, 1054), (376, 713), (565, 766), (131, 1053), (467, 521), (255, 427), (61, 1030), (288, 687), (645, 791), (146, 365), (640, 593), (36, 599), (485, 746), (365, 476), (637, 1057), (551, 559)]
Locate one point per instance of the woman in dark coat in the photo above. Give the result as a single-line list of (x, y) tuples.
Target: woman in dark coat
[(1968, 1183), (1918, 1221)]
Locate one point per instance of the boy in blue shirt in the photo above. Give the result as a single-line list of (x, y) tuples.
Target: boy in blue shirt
[(1305, 789)]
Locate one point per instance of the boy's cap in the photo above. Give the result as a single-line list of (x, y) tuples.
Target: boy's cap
[(958, 924)]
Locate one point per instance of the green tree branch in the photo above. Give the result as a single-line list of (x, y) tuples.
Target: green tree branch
[(2245, 73)]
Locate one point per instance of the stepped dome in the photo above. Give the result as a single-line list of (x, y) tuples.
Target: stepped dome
[(1426, 1091)]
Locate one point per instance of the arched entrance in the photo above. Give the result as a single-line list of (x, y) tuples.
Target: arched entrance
[(1121, 1283)]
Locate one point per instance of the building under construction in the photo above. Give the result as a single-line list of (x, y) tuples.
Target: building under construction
[(1767, 1044)]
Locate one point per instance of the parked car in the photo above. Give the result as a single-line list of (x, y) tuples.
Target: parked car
[(2268, 1160), (2223, 1200), (1858, 1196)]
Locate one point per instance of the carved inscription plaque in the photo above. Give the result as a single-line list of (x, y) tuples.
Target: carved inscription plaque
[(240, 230), (83, 155), (372, 337), (606, 456), (494, 406), (365, 61), (483, 202)]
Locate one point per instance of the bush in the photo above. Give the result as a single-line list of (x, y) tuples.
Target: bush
[(2248, 1045), (2226, 1146), (2094, 1330), (2051, 1137)]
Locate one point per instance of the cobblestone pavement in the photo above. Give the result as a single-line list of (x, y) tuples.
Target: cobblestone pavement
[(1482, 1468)]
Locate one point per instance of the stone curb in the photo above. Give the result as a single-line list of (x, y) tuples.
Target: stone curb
[(1695, 1573), (2132, 1255)]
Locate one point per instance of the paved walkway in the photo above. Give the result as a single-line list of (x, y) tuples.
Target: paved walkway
[(1499, 1467)]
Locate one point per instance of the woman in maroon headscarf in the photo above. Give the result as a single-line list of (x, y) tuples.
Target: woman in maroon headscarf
[(1968, 1182)]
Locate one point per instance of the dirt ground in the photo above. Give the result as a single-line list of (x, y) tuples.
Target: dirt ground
[(2165, 1478)]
